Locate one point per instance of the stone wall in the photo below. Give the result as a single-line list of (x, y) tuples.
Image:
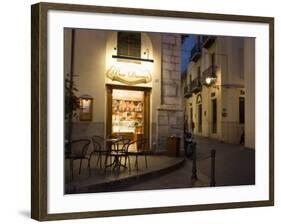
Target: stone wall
[(87, 129), (170, 113)]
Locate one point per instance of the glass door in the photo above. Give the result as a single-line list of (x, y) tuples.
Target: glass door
[(128, 113)]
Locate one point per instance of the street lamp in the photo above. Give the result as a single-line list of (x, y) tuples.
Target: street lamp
[(210, 80)]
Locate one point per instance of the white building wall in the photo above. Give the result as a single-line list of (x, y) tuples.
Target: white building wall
[(231, 128), (230, 59), (93, 51), (249, 70), (232, 84), (231, 56), (89, 70)]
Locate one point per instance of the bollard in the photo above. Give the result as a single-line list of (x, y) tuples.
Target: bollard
[(213, 167), (194, 166)]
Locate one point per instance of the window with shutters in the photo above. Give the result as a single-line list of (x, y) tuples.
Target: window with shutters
[(129, 44)]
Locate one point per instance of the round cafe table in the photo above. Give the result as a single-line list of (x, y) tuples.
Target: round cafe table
[(115, 152)]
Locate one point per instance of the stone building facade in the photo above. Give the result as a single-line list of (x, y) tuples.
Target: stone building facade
[(170, 112), (219, 89), (96, 64)]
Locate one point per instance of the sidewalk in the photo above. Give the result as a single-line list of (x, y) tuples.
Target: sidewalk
[(116, 180)]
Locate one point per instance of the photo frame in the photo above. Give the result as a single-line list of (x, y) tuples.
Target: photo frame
[(44, 119)]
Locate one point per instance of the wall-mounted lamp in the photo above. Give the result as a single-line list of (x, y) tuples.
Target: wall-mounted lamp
[(86, 108), (210, 80)]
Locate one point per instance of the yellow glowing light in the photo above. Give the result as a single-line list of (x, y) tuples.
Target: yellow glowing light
[(208, 80)]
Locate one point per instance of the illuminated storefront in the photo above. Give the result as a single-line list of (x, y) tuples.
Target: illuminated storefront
[(134, 81)]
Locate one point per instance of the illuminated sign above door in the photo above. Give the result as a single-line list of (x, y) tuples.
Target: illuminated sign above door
[(129, 74)]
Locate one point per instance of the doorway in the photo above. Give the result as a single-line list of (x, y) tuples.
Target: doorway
[(241, 110), (214, 116), (128, 112), (199, 118)]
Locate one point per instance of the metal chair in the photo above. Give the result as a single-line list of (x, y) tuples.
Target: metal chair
[(78, 150), (141, 150), (99, 148)]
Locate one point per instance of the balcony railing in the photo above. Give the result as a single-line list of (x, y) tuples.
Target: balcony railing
[(195, 85), (187, 91), (195, 53), (210, 71), (208, 41)]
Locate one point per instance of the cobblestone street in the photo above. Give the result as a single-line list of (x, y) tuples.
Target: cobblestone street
[(235, 165)]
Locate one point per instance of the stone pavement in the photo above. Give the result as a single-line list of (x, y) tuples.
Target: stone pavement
[(115, 179), (180, 178), (235, 165)]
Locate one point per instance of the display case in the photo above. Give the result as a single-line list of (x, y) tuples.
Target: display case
[(127, 116)]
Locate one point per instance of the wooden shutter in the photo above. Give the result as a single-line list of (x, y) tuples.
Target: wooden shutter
[(129, 44)]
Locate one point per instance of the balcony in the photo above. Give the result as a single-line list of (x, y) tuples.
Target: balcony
[(210, 72), (208, 41), (187, 91), (195, 53), (195, 85)]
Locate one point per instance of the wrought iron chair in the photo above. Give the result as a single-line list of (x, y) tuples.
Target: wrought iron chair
[(99, 148), (141, 150), (79, 150)]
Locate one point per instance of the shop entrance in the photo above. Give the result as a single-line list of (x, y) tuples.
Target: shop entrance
[(128, 112)]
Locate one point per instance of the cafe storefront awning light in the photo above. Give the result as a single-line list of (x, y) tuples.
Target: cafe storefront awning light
[(129, 74)]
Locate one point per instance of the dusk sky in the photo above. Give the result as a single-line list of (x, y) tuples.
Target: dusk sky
[(185, 52)]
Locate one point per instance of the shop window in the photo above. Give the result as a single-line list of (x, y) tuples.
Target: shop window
[(129, 44)]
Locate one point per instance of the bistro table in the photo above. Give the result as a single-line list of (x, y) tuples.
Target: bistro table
[(114, 151)]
